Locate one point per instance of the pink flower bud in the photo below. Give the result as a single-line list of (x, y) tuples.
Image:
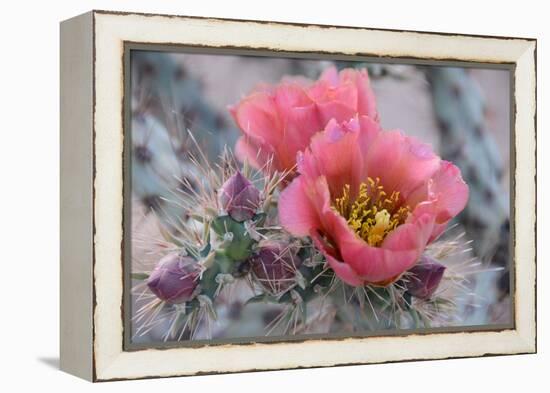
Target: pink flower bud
[(239, 197), (174, 278), (274, 265), (425, 277)]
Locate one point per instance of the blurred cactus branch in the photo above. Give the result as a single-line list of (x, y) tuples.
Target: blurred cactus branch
[(167, 103), (461, 109)]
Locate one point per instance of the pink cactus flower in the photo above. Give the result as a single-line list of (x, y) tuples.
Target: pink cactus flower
[(278, 121), (371, 200)]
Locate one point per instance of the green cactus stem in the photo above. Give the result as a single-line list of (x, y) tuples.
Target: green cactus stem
[(460, 108)]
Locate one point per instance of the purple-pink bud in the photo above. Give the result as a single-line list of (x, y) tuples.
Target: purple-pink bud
[(274, 265), (239, 197), (425, 277), (174, 278)]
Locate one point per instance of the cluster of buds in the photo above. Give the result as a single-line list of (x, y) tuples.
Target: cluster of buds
[(272, 261), (176, 278)]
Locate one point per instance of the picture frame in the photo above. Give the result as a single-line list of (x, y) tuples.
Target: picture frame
[(95, 191)]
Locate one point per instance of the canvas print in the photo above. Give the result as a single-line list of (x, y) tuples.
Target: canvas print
[(281, 198)]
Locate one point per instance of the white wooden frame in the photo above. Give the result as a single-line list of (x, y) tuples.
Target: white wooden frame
[(92, 194)]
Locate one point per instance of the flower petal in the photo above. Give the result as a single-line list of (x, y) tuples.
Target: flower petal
[(336, 153), (366, 102), (413, 235), (447, 192), (330, 76), (375, 264), (300, 124), (452, 192), (335, 110), (402, 163), (342, 270), (256, 116), (256, 154), (291, 95), (297, 212)]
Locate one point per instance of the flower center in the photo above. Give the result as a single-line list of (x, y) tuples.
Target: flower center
[(373, 213)]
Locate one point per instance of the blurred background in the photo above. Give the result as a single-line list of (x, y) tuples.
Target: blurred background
[(464, 113)]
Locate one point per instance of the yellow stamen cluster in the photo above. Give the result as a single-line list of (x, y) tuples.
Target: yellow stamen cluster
[(372, 214)]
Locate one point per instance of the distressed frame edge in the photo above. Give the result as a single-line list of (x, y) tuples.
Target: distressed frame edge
[(525, 179), (304, 24), (76, 196), (526, 338)]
